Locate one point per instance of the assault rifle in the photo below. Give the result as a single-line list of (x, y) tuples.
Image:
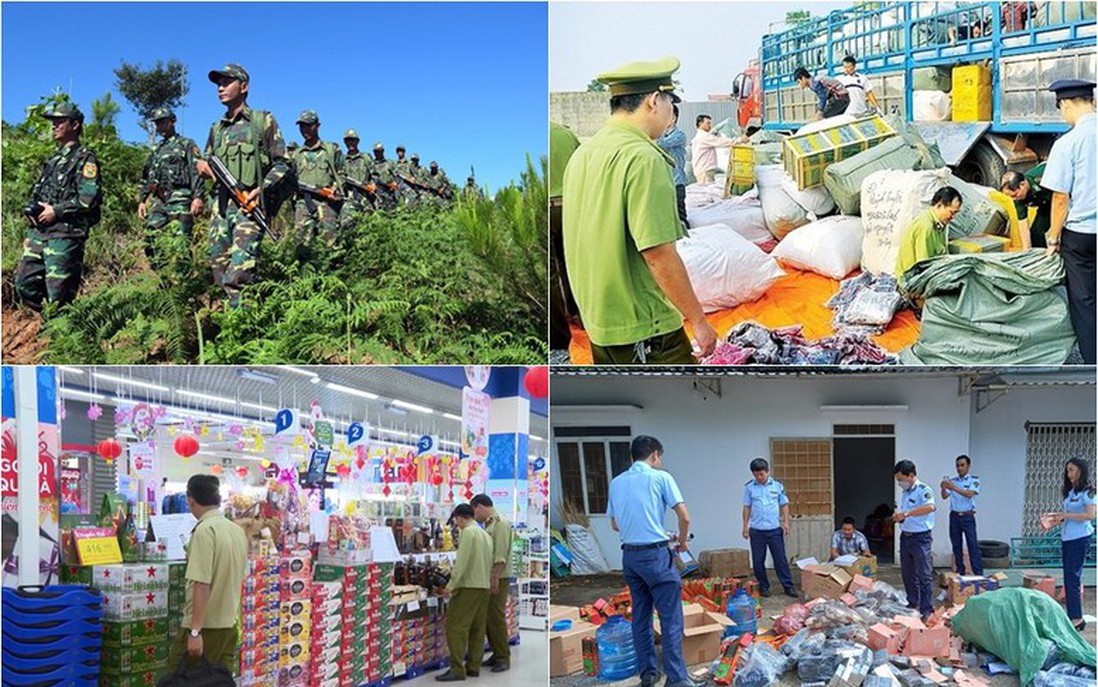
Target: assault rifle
[(236, 192), (324, 193)]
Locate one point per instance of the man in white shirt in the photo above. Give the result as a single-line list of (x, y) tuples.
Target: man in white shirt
[(857, 87), (703, 149)]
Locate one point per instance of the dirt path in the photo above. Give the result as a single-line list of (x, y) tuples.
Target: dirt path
[(21, 343)]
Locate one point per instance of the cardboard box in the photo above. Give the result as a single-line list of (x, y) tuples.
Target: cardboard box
[(701, 634), (882, 636), (961, 588), (563, 613), (1041, 582), (565, 650), (927, 642), (725, 563), (860, 582), (865, 565), (826, 581)]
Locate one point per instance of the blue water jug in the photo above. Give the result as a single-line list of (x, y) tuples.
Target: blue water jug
[(617, 657), (742, 610)]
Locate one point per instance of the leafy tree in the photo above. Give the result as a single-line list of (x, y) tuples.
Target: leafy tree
[(596, 86), (104, 112), (163, 85)]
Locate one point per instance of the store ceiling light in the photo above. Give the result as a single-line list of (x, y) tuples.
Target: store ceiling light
[(536, 437), (451, 416), (303, 372), (74, 370), (205, 397), (412, 406), (396, 432), (256, 376), (395, 409), (353, 392), (257, 406), (131, 382), (76, 393)]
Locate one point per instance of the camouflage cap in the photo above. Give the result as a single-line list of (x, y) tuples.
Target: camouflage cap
[(378, 146), (415, 156), (350, 133), (308, 117), (161, 113), (434, 164), (64, 111), (231, 70), (400, 148)]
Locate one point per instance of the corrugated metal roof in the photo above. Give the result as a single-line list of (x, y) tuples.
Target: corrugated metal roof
[(791, 371), (1064, 377)]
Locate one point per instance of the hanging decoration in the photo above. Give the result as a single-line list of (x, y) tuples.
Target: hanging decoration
[(109, 449), (142, 421), (185, 445), (242, 472), (94, 412), (216, 469), (536, 381)]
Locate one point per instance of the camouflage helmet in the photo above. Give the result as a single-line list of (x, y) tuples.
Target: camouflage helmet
[(308, 117), (64, 111), (415, 157), (434, 164), (378, 146), (161, 113), (350, 133), (231, 70)]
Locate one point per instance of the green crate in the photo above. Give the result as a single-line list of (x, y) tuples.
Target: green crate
[(135, 633), (806, 156)]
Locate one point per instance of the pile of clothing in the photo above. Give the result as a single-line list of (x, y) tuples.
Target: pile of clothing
[(865, 304), (752, 343)]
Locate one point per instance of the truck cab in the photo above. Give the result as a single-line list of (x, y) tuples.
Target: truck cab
[(748, 94), (1025, 45)]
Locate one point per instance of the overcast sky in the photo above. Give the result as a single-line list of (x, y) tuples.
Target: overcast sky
[(714, 40)]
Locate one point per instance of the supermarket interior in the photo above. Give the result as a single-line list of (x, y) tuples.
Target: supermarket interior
[(343, 480)]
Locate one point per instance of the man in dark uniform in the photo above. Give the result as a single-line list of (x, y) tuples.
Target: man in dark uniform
[(63, 207), (1028, 196), (358, 167)]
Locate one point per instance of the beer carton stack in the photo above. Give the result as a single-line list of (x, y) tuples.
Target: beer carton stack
[(379, 592), (326, 634), (295, 614), (177, 598), (259, 637), (351, 647), (408, 631), (135, 622)]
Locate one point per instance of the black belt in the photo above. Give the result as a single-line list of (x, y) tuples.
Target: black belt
[(643, 547), (962, 512)]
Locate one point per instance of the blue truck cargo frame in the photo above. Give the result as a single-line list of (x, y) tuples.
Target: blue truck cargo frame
[(910, 21)]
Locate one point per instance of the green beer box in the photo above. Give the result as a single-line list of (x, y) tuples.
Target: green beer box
[(129, 607), (324, 572), (131, 578), (76, 574), (135, 633), (177, 574), (176, 599), (130, 659), (145, 678)]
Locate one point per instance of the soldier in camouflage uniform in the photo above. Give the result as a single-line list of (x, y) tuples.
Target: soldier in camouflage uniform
[(471, 189), (64, 206), (318, 164), (418, 174), (358, 167), (440, 185), (250, 144), (400, 169), (170, 197), (385, 178)]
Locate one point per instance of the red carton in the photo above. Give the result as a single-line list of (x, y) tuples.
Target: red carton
[(927, 642), (882, 636)]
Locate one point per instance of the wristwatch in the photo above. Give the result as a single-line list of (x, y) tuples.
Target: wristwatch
[(196, 633)]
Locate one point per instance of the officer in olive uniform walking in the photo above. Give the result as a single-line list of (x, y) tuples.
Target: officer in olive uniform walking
[(385, 178), (358, 168), (170, 196), (499, 529), (250, 144), (319, 165), (63, 207), (469, 592)]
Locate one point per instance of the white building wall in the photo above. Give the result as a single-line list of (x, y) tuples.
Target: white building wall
[(709, 441)]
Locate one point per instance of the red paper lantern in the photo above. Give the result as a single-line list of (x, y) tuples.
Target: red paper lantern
[(216, 469), (242, 472), (109, 449), (186, 445), (436, 479), (537, 381), (343, 470)]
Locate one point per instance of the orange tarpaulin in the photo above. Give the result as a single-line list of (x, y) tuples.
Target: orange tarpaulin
[(796, 298)]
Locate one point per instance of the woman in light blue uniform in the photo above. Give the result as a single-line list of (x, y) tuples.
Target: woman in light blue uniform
[(1078, 513)]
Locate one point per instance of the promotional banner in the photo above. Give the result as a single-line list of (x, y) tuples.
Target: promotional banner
[(475, 407), (143, 459), (49, 448)]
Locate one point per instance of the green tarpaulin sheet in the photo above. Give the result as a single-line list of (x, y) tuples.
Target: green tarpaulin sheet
[(991, 309), (1017, 625)]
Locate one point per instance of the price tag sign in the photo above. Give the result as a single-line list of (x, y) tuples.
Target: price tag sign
[(432, 602), (97, 547), (413, 606)]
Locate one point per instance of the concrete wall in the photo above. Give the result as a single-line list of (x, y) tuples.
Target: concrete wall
[(709, 441), (585, 113)]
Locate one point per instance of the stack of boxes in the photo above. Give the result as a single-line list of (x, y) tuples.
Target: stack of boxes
[(325, 641), (295, 618), (259, 637), (741, 171), (972, 93), (352, 618), (135, 622), (177, 597), (379, 593)]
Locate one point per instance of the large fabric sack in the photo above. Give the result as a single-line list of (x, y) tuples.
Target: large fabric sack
[(931, 106), (843, 180), (978, 214), (991, 309), (816, 200), (932, 79), (746, 219), (782, 213), (837, 120), (703, 195), (929, 154), (831, 246), (890, 201), (768, 153), (587, 559), (1018, 626), (725, 268)]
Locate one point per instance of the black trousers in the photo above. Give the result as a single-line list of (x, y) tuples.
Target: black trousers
[(836, 106), (680, 196), (1078, 253)]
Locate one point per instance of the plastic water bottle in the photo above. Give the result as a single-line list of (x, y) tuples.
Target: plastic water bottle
[(617, 657), (741, 610)]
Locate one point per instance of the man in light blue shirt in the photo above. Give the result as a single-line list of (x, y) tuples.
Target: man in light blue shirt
[(961, 492), (848, 541), (764, 502), (1071, 175), (673, 143), (916, 517), (639, 498)]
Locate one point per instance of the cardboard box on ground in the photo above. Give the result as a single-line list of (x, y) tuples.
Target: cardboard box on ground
[(566, 647), (725, 563), (701, 634)]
